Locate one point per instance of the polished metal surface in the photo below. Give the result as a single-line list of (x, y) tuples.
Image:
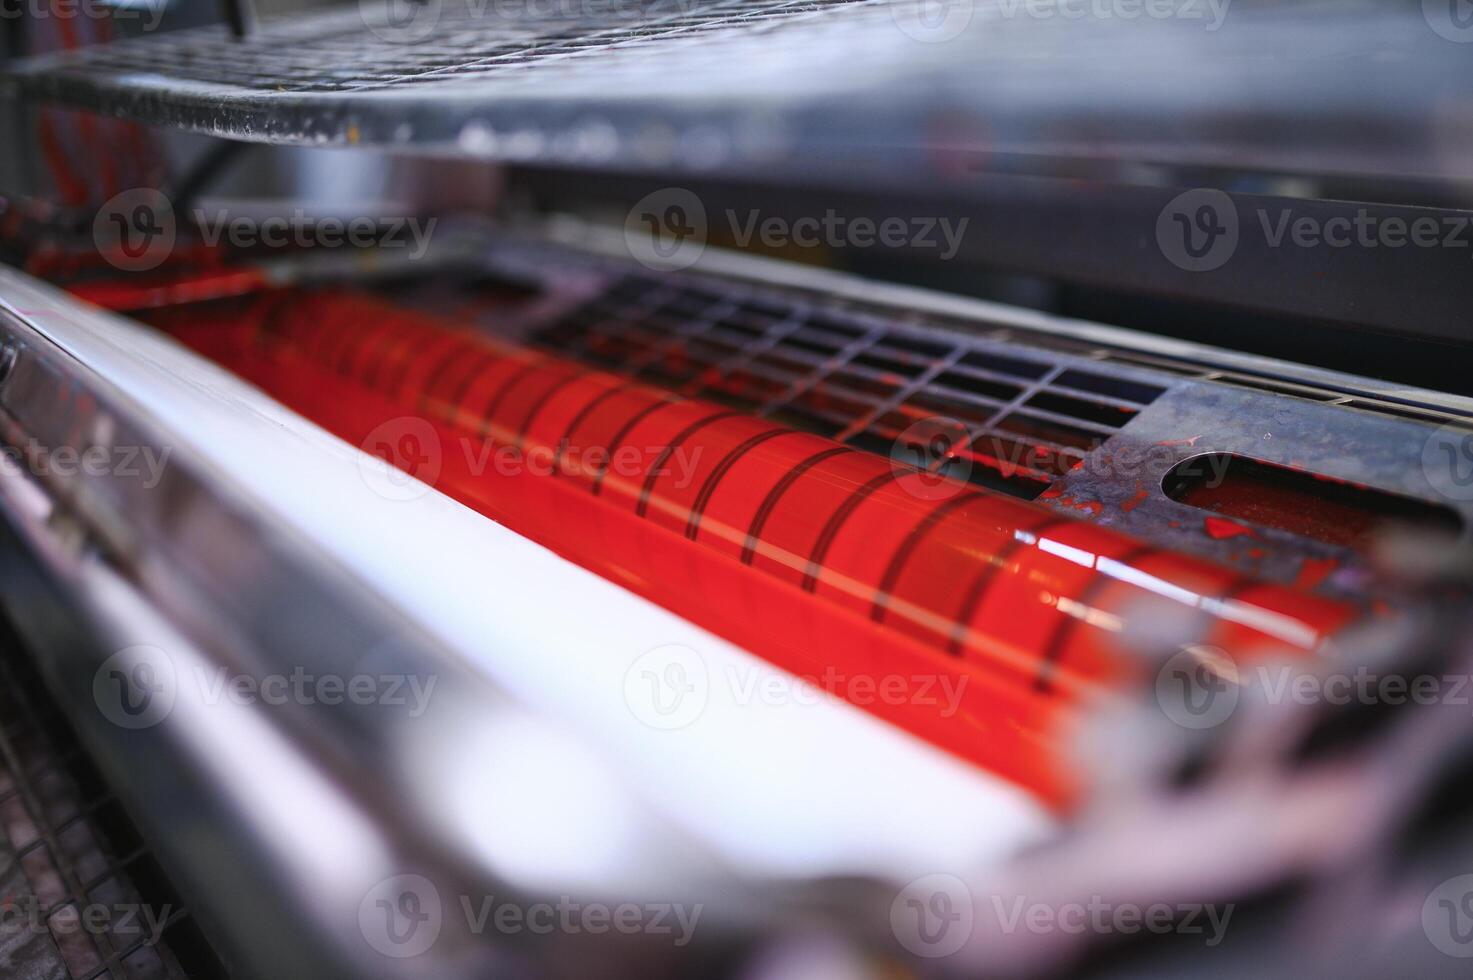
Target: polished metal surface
[(1288, 837), (1166, 400), (875, 87), (530, 776), (222, 561), (1064, 128)]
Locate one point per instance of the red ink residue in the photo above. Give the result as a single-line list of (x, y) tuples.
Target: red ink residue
[(1220, 528), (1313, 571), (1136, 501), (1093, 507)]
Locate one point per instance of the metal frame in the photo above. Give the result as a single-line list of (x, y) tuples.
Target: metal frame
[(1031, 125), (831, 74), (66, 813), (1338, 425), (519, 254), (229, 563), (130, 564)]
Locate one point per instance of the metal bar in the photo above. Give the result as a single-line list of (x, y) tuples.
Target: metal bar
[(240, 16)]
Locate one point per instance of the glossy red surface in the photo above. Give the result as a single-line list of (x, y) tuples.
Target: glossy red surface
[(817, 556)]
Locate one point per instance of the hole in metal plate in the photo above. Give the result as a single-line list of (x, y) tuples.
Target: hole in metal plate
[(1338, 512)]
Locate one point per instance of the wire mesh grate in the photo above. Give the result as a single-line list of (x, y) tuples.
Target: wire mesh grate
[(587, 80), (465, 41), (1009, 418), (1097, 389), (84, 898)]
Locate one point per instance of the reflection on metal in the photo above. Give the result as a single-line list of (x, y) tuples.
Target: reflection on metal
[(1215, 401), (902, 87), (219, 561), (1285, 835)]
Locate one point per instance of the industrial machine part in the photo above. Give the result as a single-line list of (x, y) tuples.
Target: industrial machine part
[(612, 565)]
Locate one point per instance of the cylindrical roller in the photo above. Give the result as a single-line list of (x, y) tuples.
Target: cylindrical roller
[(818, 556)]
